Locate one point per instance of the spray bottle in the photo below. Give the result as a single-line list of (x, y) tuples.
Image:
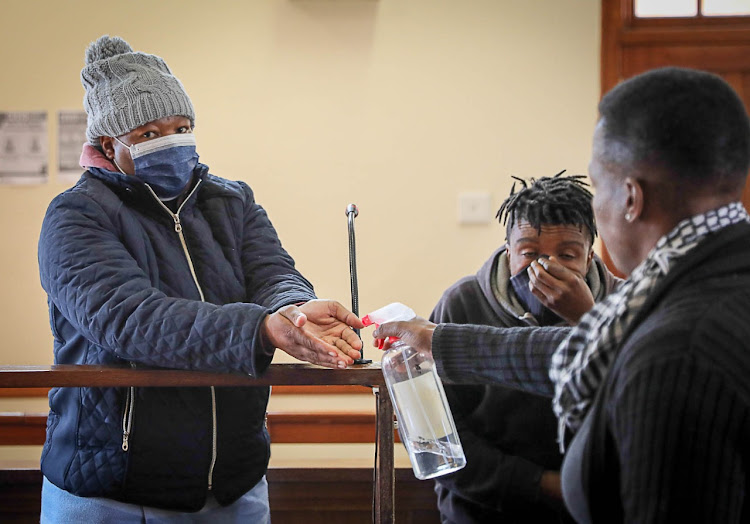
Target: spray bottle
[(425, 423)]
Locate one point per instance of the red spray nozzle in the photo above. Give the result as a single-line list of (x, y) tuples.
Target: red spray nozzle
[(390, 313)]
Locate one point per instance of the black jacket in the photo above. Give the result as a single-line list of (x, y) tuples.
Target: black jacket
[(668, 438)]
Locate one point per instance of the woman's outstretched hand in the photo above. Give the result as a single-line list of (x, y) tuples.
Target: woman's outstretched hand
[(319, 331)]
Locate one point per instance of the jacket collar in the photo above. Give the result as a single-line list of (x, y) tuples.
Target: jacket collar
[(115, 178), (93, 160), (93, 157)]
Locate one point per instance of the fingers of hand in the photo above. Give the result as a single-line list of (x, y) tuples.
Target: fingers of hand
[(329, 353), (554, 268), (305, 346), (542, 284), (394, 330), (351, 338), (551, 266), (539, 273), (339, 312), (328, 312), (386, 330), (294, 315), (547, 296), (382, 343), (346, 347)]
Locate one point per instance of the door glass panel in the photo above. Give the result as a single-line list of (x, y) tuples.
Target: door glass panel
[(726, 7), (665, 8)]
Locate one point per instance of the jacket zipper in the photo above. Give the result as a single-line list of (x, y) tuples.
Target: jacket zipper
[(178, 230), (127, 415)]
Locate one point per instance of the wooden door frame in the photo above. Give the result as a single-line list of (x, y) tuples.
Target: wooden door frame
[(622, 29)]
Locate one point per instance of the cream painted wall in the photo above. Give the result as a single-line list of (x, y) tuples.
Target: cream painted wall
[(395, 105)]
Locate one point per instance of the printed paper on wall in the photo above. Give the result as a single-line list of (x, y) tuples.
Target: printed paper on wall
[(71, 130), (23, 148)]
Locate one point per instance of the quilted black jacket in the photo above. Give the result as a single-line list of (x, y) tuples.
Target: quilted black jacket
[(131, 283)]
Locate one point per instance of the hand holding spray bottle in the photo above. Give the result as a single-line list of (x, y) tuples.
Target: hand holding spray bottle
[(425, 423)]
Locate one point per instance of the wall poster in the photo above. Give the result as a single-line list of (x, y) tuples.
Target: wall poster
[(71, 132), (23, 148)]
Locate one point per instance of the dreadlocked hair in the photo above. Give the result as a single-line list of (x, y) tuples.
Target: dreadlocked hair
[(557, 200)]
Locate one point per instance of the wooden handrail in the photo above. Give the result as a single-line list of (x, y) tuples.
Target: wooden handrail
[(277, 374), (277, 390), (107, 376)]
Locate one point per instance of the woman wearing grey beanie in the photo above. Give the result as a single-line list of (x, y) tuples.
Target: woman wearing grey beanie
[(151, 261)]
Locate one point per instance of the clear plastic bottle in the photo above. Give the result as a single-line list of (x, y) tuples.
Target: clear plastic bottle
[(425, 423)]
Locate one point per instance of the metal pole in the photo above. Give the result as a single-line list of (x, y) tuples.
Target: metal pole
[(351, 214)]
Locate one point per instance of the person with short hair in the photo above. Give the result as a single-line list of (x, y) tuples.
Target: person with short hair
[(650, 387), (150, 261), (509, 436)]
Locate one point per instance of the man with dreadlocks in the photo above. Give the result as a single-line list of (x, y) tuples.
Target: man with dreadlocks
[(513, 461)]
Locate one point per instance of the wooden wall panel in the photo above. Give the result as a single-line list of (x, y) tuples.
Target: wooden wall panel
[(297, 496), (23, 429), (724, 60)]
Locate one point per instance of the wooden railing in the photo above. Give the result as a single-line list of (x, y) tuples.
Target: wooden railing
[(277, 374), (277, 390)]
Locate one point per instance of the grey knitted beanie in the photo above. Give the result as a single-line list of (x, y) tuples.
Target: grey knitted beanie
[(126, 89)]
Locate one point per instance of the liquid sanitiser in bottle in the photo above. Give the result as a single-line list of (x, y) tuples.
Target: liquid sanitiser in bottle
[(425, 423)]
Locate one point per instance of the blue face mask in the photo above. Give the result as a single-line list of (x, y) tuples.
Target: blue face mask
[(166, 164), (520, 283)]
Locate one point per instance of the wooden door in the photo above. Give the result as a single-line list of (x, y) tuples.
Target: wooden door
[(632, 45)]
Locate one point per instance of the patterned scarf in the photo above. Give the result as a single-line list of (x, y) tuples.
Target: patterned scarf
[(582, 359)]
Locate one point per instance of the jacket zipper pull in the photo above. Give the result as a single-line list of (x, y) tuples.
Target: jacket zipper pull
[(177, 224), (127, 419), (127, 416)]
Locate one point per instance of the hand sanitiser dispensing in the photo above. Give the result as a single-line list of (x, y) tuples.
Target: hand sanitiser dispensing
[(425, 423)]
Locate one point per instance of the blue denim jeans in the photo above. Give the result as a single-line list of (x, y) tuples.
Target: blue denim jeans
[(59, 506)]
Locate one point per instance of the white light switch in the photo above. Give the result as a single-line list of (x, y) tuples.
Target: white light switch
[(474, 207)]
